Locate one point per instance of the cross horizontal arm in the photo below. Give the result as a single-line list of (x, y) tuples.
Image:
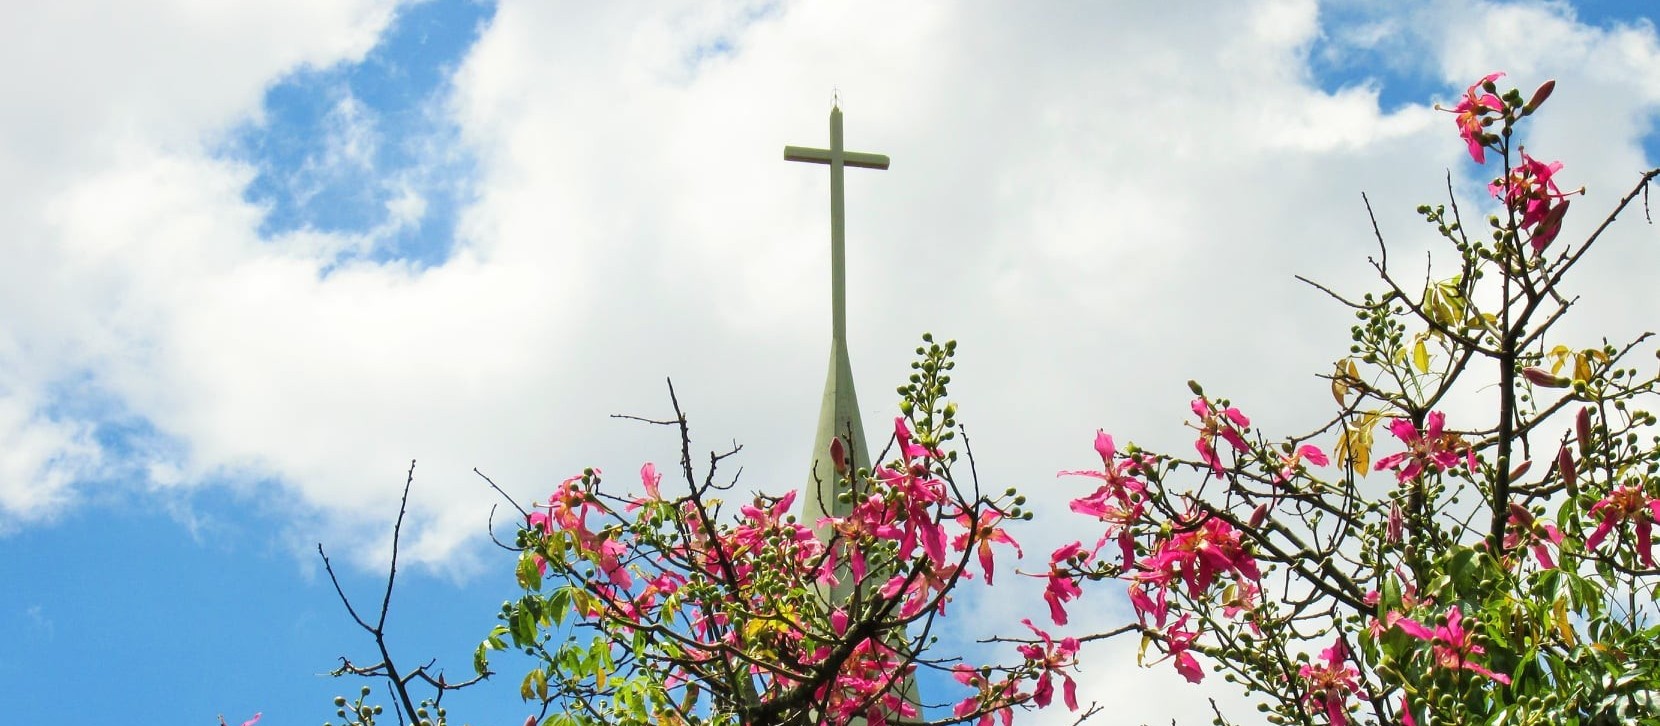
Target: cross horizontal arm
[(822, 156)]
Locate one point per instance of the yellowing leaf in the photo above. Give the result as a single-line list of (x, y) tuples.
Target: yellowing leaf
[(1558, 357), (1354, 444), (535, 684), (1420, 355), (1563, 627), (1339, 389)]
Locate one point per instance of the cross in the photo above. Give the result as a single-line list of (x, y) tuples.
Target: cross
[(836, 158)]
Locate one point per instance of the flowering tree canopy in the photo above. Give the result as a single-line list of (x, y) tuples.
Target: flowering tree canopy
[(1486, 562), (1500, 572)]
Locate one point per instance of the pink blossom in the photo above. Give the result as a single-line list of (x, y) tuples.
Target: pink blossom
[(1472, 113), (1291, 463), (1117, 472), (568, 508), (652, 480), (1627, 504), (1052, 659), (921, 589), (1530, 189), (1243, 599), (1432, 446), (1117, 501), (985, 532), (1062, 587), (1453, 648), (1211, 549), (1216, 422), (908, 448), (988, 698), (1523, 529), (1330, 683), (1155, 574), (865, 687), (1197, 556), (1178, 642)]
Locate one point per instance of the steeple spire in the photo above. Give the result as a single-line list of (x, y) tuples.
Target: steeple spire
[(839, 412)]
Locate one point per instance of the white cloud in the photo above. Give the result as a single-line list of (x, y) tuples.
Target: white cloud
[(1100, 201)]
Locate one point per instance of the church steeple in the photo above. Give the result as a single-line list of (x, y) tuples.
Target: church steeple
[(839, 411)]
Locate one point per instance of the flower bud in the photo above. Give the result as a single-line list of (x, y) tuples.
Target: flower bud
[(838, 456), (1582, 427), (1520, 469), (1565, 462), (1259, 515), (1543, 378), (1540, 95)]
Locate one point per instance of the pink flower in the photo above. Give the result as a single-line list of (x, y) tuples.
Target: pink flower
[(988, 698), (985, 532), (1330, 684), (1052, 659), (1627, 504), (1215, 422), (1433, 446), (1117, 501), (1117, 472), (1209, 550), (1177, 643), (1242, 599), (1530, 189), (1453, 648), (1155, 574), (1525, 530), (1472, 113), (1291, 463), (652, 480), (908, 448), (1061, 585), (921, 589)]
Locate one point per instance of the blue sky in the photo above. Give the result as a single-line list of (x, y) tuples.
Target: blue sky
[(262, 259)]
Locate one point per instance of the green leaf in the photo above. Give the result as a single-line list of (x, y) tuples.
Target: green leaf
[(559, 605), (523, 622), (529, 574)]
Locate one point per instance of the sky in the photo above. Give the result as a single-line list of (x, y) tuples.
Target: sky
[(261, 256)]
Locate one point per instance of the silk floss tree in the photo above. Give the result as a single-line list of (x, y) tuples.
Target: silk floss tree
[(1442, 564)]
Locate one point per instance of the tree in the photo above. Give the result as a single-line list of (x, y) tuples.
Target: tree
[(1496, 568), (1492, 568), (661, 608)]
